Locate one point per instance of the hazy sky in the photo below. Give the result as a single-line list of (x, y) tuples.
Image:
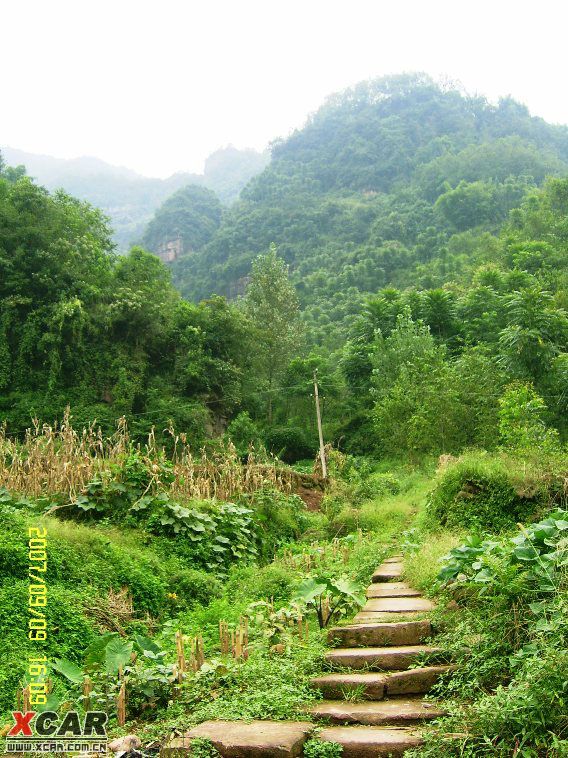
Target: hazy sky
[(157, 86)]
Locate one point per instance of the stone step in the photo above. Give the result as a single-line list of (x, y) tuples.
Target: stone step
[(377, 658), (391, 589), (367, 741), (379, 634), (375, 686), (393, 559), (372, 617), (397, 605), (415, 681), (235, 739), (397, 711), (388, 572), (345, 686)]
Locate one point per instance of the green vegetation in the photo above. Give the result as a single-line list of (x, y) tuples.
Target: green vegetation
[(129, 199), (393, 182), (317, 749), (191, 214), (119, 584), (407, 247)]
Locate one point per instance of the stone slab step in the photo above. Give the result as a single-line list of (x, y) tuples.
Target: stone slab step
[(388, 572), (237, 739), (379, 634), (367, 741), (371, 617), (377, 658), (397, 604), (393, 559), (415, 681), (392, 589), (375, 686), (343, 686), (397, 711)]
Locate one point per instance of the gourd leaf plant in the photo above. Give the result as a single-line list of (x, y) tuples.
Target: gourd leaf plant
[(140, 660), (539, 553), (330, 598)]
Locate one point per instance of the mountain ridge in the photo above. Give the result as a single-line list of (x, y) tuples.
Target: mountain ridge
[(129, 198)]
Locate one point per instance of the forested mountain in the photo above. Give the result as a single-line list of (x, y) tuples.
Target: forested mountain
[(389, 183), (128, 198), (184, 223)]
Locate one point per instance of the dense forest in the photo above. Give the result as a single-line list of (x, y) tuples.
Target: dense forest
[(442, 282), (408, 249)]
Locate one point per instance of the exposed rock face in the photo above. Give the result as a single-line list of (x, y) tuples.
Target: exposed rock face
[(170, 250)]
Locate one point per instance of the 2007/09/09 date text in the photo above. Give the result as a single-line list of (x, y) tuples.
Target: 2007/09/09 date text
[(37, 623)]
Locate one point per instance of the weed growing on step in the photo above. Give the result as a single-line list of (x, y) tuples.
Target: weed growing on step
[(317, 749), (354, 694), (201, 747)]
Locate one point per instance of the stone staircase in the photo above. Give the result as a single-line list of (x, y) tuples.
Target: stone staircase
[(372, 698), (373, 702)]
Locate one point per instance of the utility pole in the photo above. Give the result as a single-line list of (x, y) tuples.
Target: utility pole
[(318, 414)]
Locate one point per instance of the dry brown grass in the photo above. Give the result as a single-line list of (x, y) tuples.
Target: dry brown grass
[(61, 460)]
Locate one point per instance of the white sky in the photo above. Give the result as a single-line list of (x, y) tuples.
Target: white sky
[(157, 86)]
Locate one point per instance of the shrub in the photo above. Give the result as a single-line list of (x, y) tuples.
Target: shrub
[(266, 686), (509, 641), (254, 583), (480, 493), (201, 747), (521, 420), (193, 587), (13, 546), (243, 432), (69, 632), (290, 443), (279, 518), (377, 485)]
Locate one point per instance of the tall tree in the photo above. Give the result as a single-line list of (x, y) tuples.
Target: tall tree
[(272, 306)]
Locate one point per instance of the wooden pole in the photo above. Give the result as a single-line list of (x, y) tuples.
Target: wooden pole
[(320, 432)]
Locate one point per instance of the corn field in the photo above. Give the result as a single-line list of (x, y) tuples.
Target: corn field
[(60, 460)]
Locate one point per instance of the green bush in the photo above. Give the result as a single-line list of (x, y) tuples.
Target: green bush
[(68, 632), (290, 443), (100, 559), (13, 546), (243, 432), (481, 493), (279, 518), (201, 747), (194, 587), (509, 641), (253, 583)]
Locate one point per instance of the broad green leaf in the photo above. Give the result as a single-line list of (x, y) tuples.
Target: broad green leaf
[(145, 645), (349, 588), (310, 589), (95, 653), (525, 553), (68, 669), (117, 654)]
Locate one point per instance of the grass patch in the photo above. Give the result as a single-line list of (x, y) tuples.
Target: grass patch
[(421, 566)]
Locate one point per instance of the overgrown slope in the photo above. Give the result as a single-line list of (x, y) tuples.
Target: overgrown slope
[(383, 179)]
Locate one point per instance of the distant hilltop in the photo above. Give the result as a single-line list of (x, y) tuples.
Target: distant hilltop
[(128, 198)]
